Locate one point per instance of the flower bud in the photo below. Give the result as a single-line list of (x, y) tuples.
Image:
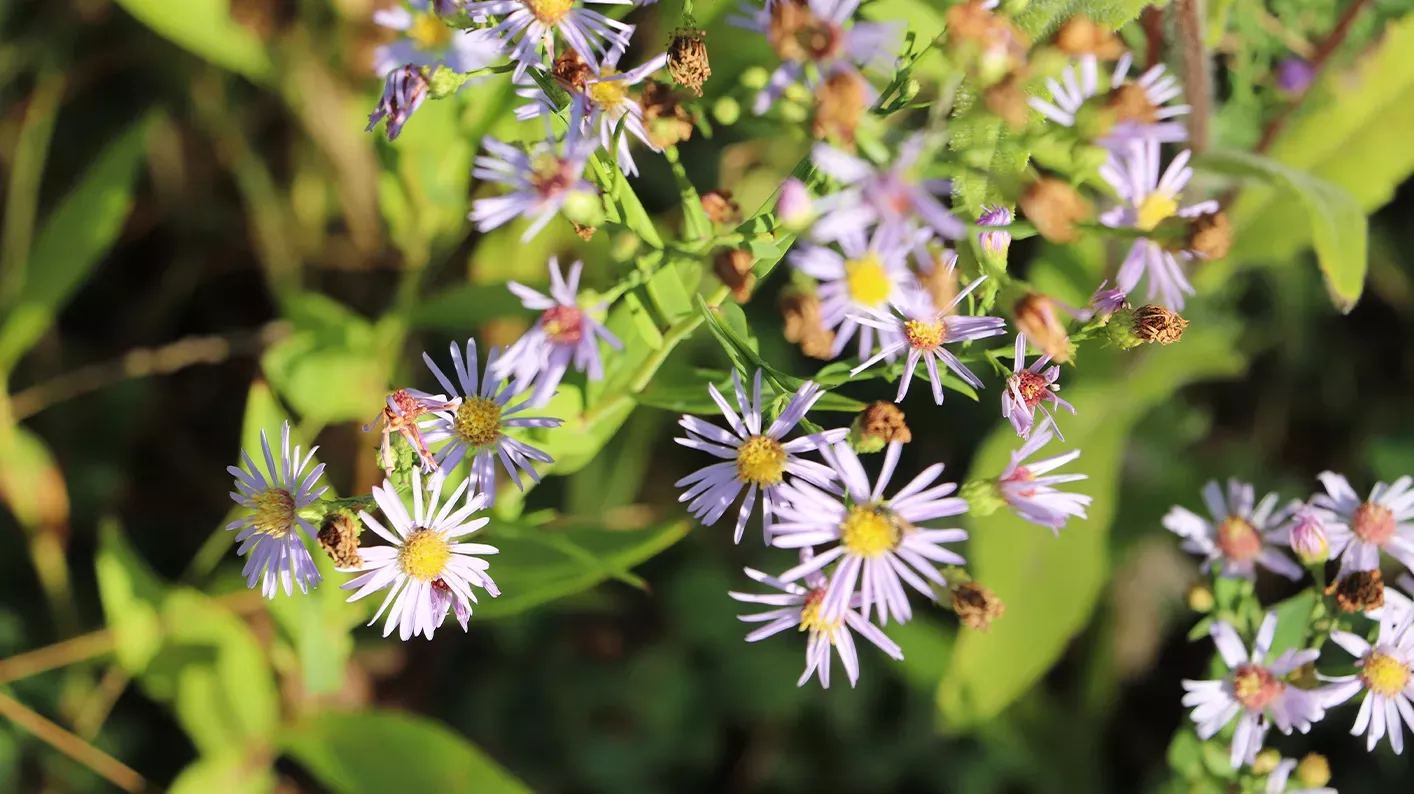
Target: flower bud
[(720, 207), (794, 206), (982, 496), (1294, 76), (1209, 235), (877, 426), (976, 606), (1037, 319), (1314, 771), (997, 242), (1105, 302), (584, 208), (338, 536), (1120, 330), (1359, 591), (1308, 537), (687, 59), (755, 78), (804, 326), (1157, 324), (727, 111), (1265, 762), (733, 267), (1200, 599), (1055, 208)]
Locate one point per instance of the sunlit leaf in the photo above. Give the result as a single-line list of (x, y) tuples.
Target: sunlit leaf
[(205, 28), (229, 772), (329, 369), (132, 597)]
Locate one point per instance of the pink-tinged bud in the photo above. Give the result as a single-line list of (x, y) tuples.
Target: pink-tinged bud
[(1308, 536), (1106, 301), (794, 207)]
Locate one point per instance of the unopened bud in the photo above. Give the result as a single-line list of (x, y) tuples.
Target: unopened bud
[(755, 78), (720, 207), (1265, 762), (1106, 301), (1314, 771), (338, 536), (877, 426), (995, 242), (1055, 208), (584, 208), (1200, 599), (687, 59), (983, 497), (1120, 330), (1209, 235), (443, 82), (1081, 36), (1157, 324), (726, 110), (794, 206), (1294, 76), (733, 267), (804, 325), (976, 606), (1359, 591), (1037, 318), (1308, 537)]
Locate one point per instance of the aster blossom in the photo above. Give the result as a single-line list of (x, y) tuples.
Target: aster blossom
[(1384, 675), (877, 541), (269, 537), (1029, 489), (541, 180), (799, 607), (1253, 692), (1137, 111), (565, 334), (1358, 530), (920, 334), (871, 275), (753, 458), (475, 422), (889, 197), (404, 91), (1242, 534), (425, 569), (1030, 388), (530, 27), (428, 41), (1146, 200)]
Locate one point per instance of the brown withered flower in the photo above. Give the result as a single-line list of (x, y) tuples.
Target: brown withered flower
[(990, 42), (571, 71), (840, 104), (338, 536), (720, 207), (665, 120), (687, 59), (1037, 319), (1080, 35), (1130, 102), (733, 267), (1054, 208), (1210, 235), (880, 424), (1007, 99), (586, 233), (1157, 324), (941, 280), (1359, 591), (796, 34), (803, 324), (976, 606)]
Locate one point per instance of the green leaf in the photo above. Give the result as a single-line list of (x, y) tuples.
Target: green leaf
[(205, 28), (462, 308), (132, 596), (541, 564), (73, 239), (318, 625), (1050, 584), (1336, 221), (329, 369), (1293, 622), (382, 751), (226, 773)]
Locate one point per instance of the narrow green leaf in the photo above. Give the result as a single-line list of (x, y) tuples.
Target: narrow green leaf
[(205, 28), (132, 596)]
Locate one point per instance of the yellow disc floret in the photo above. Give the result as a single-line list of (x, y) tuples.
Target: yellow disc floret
[(923, 334), (1156, 208), (760, 461), (867, 280), (549, 12), (869, 531), (274, 512), (478, 422), (1384, 674), (424, 555), (609, 93), (428, 32), (812, 618)]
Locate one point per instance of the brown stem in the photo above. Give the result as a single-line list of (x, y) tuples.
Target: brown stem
[(1153, 35), (60, 654), (1196, 74), (108, 767)]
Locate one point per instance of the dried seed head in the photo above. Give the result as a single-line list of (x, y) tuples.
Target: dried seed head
[(1007, 99), (1037, 319), (1157, 324), (1210, 235), (877, 426), (687, 59), (338, 536), (1360, 591), (1055, 208), (803, 324), (1130, 102), (840, 103), (571, 71), (733, 267), (992, 47), (665, 120), (1081, 36), (720, 207), (976, 606)]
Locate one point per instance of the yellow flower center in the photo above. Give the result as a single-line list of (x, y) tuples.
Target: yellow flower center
[(429, 33), (1155, 209), (760, 461), (813, 620), (1238, 539), (1255, 687), (869, 531), (274, 512), (424, 555), (924, 335), (1384, 675), (867, 280), (610, 93), (1373, 523), (478, 421), (549, 12)]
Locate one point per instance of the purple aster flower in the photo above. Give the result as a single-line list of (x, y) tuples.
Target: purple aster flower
[(995, 242), (270, 537), (424, 567), (1030, 388), (1241, 534), (1105, 302), (564, 335), (878, 542), (1029, 489), (829, 42), (540, 181), (1384, 673), (921, 332), (870, 276), (1146, 200), (1359, 530), (428, 41), (404, 91), (890, 198), (797, 607), (1295, 75), (1142, 106), (752, 458), (1254, 692), (475, 422), (1306, 534), (529, 27)]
